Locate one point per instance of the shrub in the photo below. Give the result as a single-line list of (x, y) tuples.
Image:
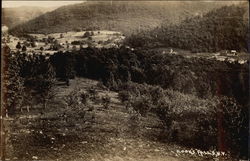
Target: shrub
[(41, 48), (190, 120), (92, 93), (75, 43), (24, 48), (142, 105), (86, 34), (33, 44), (18, 46), (76, 106), (84, 97), (106, 101), (124, 96)]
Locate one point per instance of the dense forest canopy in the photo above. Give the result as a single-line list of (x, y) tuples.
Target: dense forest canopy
[(225, 28), (125, 16)]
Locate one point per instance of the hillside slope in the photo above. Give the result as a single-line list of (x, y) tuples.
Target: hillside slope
[(125, 16), (89, 133), (220, 29), (15, 16)]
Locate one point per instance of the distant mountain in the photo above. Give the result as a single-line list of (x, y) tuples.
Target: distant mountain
[(125, 16), (15, 16), (225, 28)]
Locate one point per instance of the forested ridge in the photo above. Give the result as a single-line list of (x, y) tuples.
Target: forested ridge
[(125, 16), (225, 28)]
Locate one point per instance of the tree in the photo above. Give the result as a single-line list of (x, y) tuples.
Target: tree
[(24, 48), (44, 83), (34, 44), (86, 34), (12, 82), (41, 48), (18, 46), (50, 39), (39, 76)]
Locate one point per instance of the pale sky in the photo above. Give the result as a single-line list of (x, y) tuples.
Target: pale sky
[(7, 4), (56, 3)]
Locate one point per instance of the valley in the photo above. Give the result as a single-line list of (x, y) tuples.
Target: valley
[(125, 81)]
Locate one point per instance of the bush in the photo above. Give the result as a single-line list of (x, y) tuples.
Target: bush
[(86, 34), (142, 105), (33, 44), (106, 101), (124, 96), (41, 48), (24, 48), (190, 120), (84, 97), (76, 106), (18, 46), (75, 43), (92, 93)]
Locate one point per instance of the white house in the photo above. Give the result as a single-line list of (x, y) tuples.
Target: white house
[(233, 52)]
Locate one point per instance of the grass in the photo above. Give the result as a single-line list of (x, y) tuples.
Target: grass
[(90, 132)]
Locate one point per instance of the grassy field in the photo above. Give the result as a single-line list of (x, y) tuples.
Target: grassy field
[(99, 39)]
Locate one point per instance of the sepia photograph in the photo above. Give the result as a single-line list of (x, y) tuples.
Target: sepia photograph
[(129, 80)]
